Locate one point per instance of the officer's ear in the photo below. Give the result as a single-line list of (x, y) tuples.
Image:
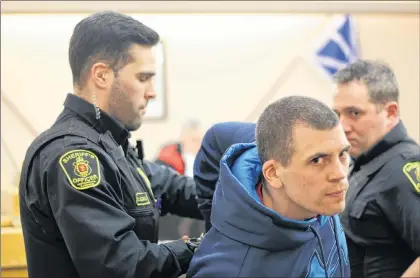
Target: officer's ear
[(102, 75), (271, 172), (392, 111)]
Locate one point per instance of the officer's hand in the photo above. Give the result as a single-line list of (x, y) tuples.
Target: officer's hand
[(194, 242), (182, 252)]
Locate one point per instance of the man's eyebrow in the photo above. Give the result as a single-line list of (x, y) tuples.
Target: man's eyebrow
[(318, 154), (347, 108), (352, 108), (321, 154)]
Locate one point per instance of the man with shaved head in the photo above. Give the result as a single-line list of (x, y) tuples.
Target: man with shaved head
[(276, 204)]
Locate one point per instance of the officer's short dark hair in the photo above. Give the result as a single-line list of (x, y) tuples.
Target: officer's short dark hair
[(107, 37), (274, 131), (376, 75)]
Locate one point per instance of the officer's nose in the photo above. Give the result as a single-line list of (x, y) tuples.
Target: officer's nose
[(347, 128), (150, 94), (346, 125)]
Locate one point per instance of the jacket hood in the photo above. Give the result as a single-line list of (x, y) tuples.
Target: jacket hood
[(238, 212)]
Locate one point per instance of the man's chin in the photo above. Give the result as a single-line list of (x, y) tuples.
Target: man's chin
[(334, 210)]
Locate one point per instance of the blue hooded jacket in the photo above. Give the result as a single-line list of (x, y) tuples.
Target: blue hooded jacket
[(248, 239)]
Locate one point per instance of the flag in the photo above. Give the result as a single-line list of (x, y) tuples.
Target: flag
[(340, 47)]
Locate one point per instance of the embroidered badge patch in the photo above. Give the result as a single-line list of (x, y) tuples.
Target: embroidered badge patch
[(412, 171), (142, 199), (81, 168)]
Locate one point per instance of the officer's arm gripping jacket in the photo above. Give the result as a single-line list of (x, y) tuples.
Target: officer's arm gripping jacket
[(95, 227)]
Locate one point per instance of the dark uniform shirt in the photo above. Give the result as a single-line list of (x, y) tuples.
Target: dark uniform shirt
[(382, 215), (90, 208)]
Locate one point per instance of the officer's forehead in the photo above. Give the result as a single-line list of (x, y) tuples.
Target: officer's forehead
[(350, 94), (142, 55)]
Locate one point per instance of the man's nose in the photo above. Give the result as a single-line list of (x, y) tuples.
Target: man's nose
[(339, 170)]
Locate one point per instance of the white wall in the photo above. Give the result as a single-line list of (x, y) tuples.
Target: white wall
[(218, 67)]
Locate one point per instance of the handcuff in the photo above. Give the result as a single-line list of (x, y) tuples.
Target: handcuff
[(194, 242)]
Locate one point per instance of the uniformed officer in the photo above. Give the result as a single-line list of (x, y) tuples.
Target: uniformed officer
[(381, 219), (89, 206)]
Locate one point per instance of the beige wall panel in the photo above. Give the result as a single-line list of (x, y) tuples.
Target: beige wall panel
[(218, 67)]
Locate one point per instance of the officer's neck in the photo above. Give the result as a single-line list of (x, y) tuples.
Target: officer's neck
[(94, 97)]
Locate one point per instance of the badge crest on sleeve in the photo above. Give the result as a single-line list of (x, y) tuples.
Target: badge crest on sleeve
[(81, 168), (412, 171), (142, 199)]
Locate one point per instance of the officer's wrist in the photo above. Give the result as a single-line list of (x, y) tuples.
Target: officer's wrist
[(182, 253)]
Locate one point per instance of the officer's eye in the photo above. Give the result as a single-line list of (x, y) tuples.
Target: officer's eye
[(144, 79), (145, 76)]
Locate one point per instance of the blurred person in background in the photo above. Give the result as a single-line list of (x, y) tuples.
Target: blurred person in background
[(180, 156), (382, 215), (276, 204), (89, 205)]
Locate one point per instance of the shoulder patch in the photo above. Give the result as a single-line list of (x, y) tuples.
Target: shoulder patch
[(412, 171), (81, 168)]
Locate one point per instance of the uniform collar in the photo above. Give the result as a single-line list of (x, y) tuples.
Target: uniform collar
[(393, 137), (106, 122)]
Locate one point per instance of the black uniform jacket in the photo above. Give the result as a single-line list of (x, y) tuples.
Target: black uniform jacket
[(90, 208), (382, 215)]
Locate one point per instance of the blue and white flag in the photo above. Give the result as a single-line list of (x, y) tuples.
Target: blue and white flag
[(340, 46)]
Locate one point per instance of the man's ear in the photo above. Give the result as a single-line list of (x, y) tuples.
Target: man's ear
[(102, 75), (270, 171)]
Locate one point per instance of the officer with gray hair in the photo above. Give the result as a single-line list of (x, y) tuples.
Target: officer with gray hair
[(381, 218)]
